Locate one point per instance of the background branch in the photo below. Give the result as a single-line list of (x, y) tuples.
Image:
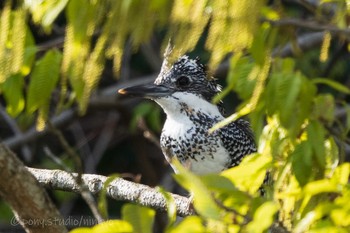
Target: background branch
[(308, 24), (106, 97)]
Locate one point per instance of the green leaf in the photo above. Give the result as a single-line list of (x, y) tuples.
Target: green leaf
[(28, 59), (154, 119), (110, 226), (258, 49), (342, 174), (302, 162), (51, 12), (292, 87), (191, 224), (335, 85), (171, 206), (45, 12), (240, 78), (324, 107), (326, 226), (263, 217), (203, 201), (102, 202), (289, 95), (281, 96), (218, 183), (141, 110), (347, 121), (230, 78), (141, 218), (341, 214), (250, 173), (113, 226), (43, 80), (321, 186), (82, 230), (316, 137), (13, 92), (332, 155)]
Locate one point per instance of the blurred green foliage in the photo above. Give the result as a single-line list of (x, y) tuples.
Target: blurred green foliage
[(291, 117)]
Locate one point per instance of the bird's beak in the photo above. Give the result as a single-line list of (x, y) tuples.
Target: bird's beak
[(147, 90)]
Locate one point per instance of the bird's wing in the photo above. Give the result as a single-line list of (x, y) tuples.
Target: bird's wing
[(238, 140)]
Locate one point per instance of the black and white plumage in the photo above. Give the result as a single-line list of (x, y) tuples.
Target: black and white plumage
[(185, 91)]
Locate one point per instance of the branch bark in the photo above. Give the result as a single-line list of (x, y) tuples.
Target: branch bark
[(118, 189), (30, 203)]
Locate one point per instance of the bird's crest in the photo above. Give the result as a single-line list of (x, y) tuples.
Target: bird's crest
[(201, 83)]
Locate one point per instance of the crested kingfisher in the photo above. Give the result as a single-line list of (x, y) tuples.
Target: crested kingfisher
[(185, 91)]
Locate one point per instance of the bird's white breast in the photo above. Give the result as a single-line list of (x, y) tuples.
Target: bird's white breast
[(183, 109)]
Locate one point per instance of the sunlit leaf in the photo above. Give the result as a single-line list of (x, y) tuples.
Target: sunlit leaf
[(191, 224), (102, 200), (18, 39), (110, 226), (325, 226), (341, 215), (113, 226), (342, 174), (263, 217), (249, 175), (203, 201), (4, 37), (13, 93), (171, 206), (238, 20), (141, 218), (45, 12), (82, 230), (320, 186)]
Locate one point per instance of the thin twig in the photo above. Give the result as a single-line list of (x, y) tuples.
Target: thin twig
[(103, 141), (246, 218), (68, 149), (147, 133), (27, 155), (82, 141), (56, 160), (84, 191)]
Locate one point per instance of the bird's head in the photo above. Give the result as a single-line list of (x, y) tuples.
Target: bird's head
[(185, 81)]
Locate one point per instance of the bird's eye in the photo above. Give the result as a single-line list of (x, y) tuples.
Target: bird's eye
[(183, 81)]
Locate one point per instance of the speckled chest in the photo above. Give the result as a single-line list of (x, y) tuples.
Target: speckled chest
[(187, 137)]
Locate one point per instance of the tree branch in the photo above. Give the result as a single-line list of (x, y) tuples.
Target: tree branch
[(28, 200), (27, 155), (308, 24), (119, 189), (304, 42)]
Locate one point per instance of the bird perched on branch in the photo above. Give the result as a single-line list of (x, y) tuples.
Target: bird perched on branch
[(185, 93)]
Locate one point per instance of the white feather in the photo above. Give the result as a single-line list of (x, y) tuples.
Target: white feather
[(178, 123)]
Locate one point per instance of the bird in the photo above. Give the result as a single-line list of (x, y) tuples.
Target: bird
[(185, 92)]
